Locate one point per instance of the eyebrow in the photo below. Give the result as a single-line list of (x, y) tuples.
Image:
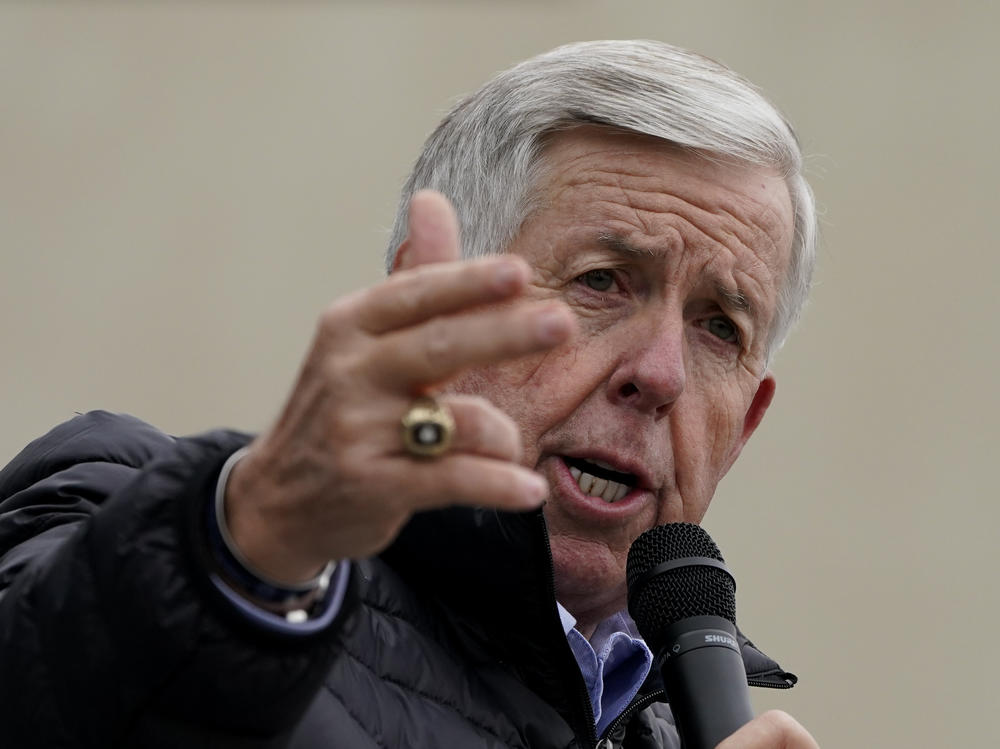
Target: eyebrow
[(619, 244), (735, 299), (732, 299)]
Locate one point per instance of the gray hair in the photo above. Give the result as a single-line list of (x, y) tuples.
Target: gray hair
[(486, 154)]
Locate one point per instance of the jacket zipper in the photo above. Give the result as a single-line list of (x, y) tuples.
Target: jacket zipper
[(634, 707), (641, 703), (769, 684), (589, 723)]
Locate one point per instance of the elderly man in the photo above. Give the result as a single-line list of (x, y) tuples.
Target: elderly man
[(428, 546)]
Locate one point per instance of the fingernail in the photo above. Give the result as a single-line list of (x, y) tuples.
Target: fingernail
[(552, 326)]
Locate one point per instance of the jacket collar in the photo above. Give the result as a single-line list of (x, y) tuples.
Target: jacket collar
[(492, 568), (494, 571)]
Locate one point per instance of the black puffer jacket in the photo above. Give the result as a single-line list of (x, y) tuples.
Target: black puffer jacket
[(111, 633)]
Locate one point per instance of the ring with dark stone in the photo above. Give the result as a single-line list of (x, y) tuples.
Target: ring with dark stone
[(428, 428)]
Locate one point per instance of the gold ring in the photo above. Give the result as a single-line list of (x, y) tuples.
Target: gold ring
[(428, 428)]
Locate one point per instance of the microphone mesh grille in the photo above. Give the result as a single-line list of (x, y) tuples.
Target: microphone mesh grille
[(678, 593)]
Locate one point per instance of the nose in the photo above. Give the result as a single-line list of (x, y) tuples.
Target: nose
[(651, 373)]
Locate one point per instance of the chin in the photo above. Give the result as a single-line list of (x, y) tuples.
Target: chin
[(589, 577)]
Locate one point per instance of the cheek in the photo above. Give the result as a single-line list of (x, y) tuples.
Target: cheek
[(721, 393), (706, 428), (538, 392), (559, 381)]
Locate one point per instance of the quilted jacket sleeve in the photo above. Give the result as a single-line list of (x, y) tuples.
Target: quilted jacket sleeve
[(111, 633)]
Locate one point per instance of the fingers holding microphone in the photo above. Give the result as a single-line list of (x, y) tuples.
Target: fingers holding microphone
[(774, 729)]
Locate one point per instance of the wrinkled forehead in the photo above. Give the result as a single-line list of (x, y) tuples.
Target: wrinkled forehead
[(747, 202)]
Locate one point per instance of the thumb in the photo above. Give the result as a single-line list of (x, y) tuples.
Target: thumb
[(433, 232)]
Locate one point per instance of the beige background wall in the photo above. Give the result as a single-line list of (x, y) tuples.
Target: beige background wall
[(184, 186)]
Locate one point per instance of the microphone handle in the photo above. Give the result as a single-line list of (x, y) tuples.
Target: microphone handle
[(705, 680)]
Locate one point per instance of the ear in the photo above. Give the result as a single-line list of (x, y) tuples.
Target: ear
[(754, 415)]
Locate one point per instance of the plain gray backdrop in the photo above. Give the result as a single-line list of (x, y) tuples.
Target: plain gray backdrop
[(184, 186)]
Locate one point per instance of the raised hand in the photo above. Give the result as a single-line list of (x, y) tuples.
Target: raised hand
[(331, 478)]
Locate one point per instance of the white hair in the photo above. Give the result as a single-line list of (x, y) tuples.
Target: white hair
[(486, 154)]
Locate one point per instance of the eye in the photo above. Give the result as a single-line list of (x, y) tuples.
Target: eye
[(600, 279), (722, 327)]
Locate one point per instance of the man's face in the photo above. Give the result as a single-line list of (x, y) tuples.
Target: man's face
[(671, 265)]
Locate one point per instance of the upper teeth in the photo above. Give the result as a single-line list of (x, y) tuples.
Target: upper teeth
[(609, 491)]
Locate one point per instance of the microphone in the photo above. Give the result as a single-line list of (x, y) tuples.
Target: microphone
[(683, 599)]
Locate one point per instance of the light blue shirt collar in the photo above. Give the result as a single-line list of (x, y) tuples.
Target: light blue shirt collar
[(614, 663)]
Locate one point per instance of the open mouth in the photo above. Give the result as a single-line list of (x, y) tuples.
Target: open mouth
[(598, 479)]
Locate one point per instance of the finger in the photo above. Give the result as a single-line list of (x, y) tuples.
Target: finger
[(482, 429), (458, 478), (433, 235), (441, 348), (772, 730), (406, 299)]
